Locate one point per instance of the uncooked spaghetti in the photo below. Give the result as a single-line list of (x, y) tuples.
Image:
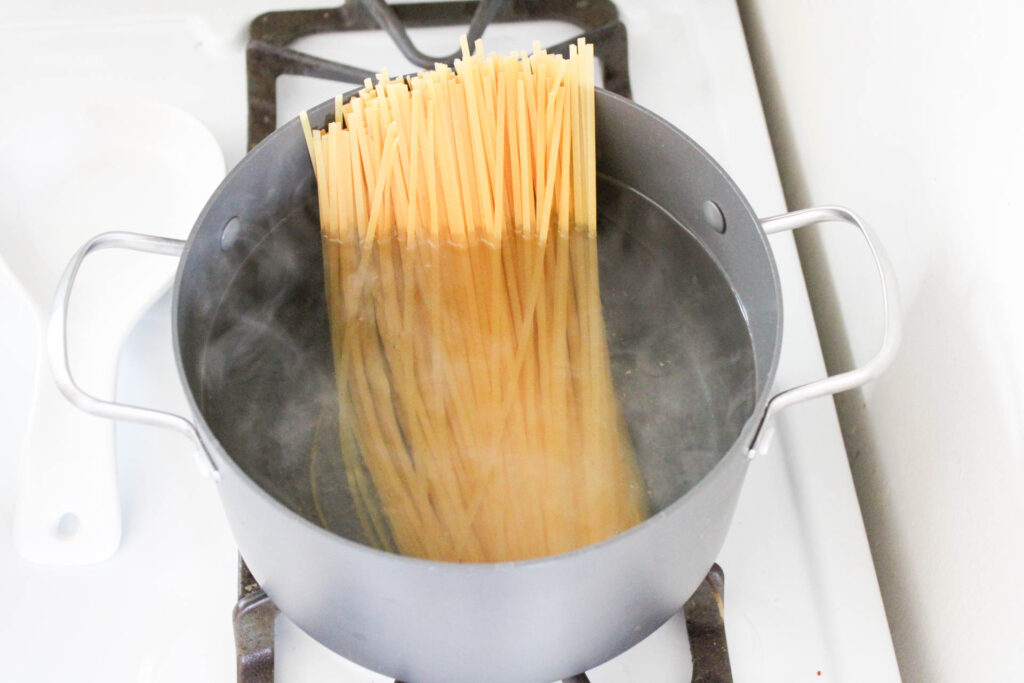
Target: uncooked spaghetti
[(458, 211)]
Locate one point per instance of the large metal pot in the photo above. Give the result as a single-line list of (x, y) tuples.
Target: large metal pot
[(691, 298)]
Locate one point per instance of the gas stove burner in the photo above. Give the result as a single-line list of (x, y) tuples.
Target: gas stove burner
[(268, 54), (255, 613)]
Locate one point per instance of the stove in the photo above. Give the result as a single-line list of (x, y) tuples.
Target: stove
[(803, 600)]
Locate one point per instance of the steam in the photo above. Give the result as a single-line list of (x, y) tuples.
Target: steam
[(682, 358)]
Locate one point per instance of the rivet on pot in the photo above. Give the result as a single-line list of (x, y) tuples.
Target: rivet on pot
[(230, 232), (713, 215)]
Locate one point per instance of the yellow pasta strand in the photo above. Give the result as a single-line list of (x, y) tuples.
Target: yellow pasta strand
[(477, 417)]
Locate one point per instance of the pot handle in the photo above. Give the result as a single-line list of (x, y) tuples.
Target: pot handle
[(57, 348), (890, 335)]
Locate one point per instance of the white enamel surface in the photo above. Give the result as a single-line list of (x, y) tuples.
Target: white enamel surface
[(71, 169), (801, 595), (912, 115)]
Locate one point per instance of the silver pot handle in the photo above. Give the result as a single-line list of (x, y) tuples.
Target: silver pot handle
[(57, 348), (890, 306)]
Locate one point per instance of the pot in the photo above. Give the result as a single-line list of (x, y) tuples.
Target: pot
[(693, 312)]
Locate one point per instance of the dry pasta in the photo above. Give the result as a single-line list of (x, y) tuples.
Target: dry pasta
[(458, 210)]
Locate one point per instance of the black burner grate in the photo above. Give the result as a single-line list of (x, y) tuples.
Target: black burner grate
[(269, 55)]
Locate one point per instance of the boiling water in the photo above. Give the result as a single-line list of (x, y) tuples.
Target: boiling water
[(681, 358)]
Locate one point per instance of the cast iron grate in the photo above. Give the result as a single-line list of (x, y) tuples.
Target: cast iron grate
[(269, 53)]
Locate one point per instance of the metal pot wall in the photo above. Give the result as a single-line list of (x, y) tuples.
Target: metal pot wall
[(688, 284)]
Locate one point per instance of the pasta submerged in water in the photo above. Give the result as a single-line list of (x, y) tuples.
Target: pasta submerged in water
[(477, 416)]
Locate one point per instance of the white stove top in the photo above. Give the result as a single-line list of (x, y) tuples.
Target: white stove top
[(801, 598)]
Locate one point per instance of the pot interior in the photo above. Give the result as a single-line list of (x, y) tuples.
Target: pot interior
[(691, 314)]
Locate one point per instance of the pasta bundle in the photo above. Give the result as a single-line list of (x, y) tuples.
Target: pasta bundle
[(458, 214)]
